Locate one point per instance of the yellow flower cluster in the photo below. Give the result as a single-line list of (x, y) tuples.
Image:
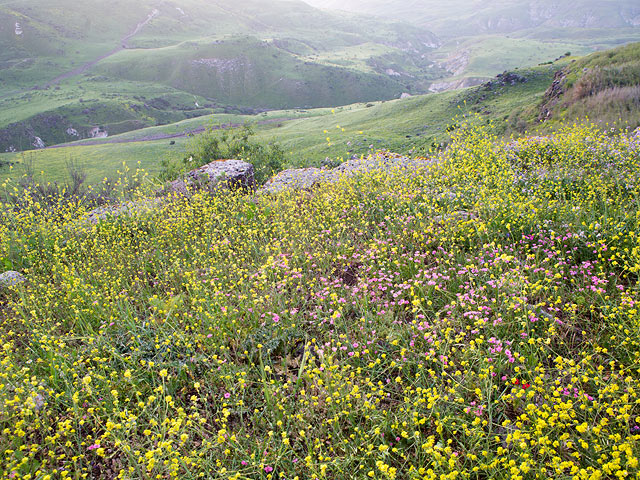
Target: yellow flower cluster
[(477, 318)]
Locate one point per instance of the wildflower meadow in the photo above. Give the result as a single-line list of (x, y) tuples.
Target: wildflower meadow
[(476, 318)]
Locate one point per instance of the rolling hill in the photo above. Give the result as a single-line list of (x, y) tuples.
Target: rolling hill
[(482, 38), (69, 71), (602, 86), (472, 17)]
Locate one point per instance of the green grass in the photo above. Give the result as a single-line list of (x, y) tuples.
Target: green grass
[(604, 87), (475, 318), (408, 125), (489, 54)]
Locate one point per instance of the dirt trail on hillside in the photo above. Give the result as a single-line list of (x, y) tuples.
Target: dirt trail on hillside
[(123, 44), (162, 136)]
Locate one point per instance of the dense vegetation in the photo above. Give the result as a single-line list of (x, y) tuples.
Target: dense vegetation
[(604, 86), (474, 319)]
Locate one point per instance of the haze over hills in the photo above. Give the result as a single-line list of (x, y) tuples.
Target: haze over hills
[(482, 38), (472, 17), (70, 71), (67, 69)]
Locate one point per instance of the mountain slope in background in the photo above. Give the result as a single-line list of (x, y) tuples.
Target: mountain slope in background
[(482, 38), (68, 70), (602, 86), (473, 17)]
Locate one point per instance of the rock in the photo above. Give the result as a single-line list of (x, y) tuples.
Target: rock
[(307, 178), (219, 174), (11, 279), (127, 208), (296, 178), (38, 143), (97, 132)]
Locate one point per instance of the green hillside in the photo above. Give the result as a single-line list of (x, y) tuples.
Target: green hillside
[(409, 125), (481, 39), (472, 17), (514, 103), (604, 87), (65, 68)]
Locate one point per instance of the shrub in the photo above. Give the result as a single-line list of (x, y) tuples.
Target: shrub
[(232, 143)]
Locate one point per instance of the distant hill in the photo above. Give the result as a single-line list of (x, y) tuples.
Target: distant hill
[(483, 38), (472, 17), (74, 67), (603, 86)]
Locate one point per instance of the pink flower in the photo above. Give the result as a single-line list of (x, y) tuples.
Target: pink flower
[(227, 395), (94, 446), (268, 469)]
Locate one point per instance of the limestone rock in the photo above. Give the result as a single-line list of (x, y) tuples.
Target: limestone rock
[(38, 143), (307, 178), (296, 178), (219, 174), (11, 279), (127, 208)]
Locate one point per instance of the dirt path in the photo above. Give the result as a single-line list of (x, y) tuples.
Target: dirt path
[(162, 136), (123, 44)]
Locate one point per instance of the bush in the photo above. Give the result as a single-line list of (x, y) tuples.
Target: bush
[(27, 191), (231, 143)]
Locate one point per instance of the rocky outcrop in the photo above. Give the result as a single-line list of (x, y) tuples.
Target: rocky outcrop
[(11, 279), (38, 143), (307, 178), (467, 82), (126, 208), (219, 174), (553, 95)]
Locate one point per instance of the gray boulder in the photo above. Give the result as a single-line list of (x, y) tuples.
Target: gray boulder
[(11, 279), (127, 208), (232, 174), (307, 178), (296, 178)]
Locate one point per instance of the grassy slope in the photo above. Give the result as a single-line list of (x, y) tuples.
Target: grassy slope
[(411, 124), (604, 86), (192, 48)]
